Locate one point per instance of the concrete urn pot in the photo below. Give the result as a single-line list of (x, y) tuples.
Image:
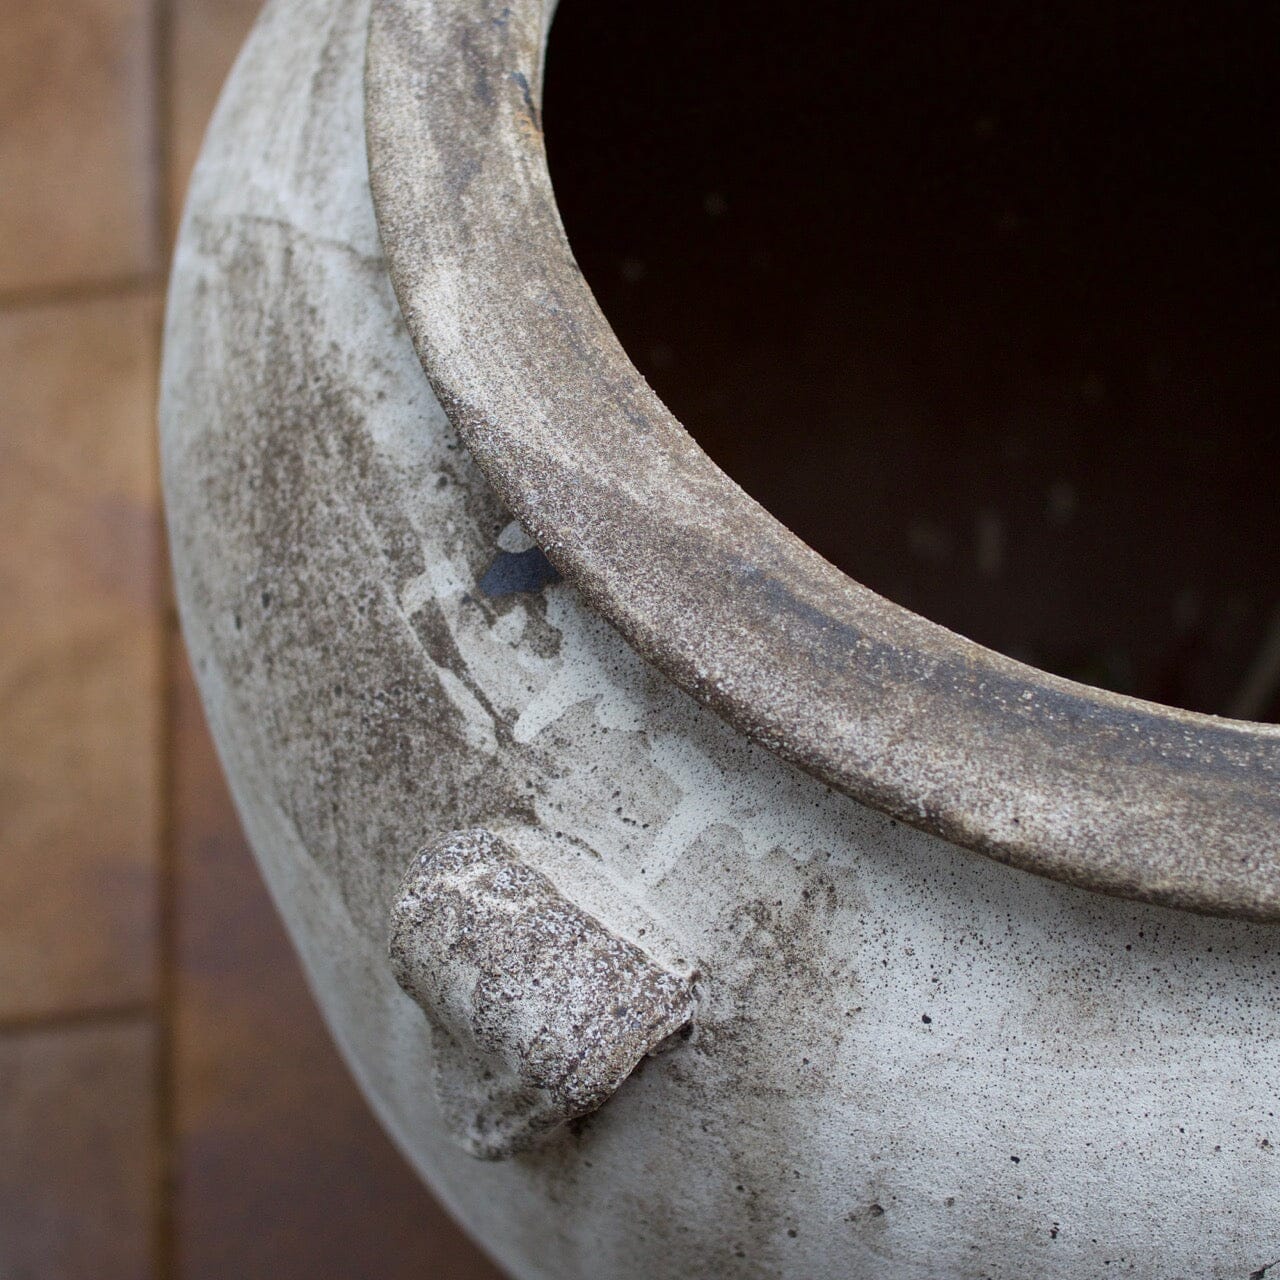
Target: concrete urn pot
[(635, 852)]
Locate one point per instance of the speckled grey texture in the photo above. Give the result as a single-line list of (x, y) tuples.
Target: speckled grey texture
[(887, 1020), (1089, 787), (538, 1011)]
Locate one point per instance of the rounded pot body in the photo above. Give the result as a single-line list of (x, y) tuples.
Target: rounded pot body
[(890, 1056)]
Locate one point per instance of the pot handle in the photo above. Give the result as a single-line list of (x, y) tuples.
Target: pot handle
[(538, 1011)]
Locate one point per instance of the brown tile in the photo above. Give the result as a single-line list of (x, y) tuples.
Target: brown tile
[(77, 1152), (77, 142), (281, 1170), (79, 656), (206, 35)]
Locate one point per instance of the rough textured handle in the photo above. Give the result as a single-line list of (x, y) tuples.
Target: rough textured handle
[(538, 1011)]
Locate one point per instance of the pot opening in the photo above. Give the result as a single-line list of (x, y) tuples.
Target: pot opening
[(981, 301)]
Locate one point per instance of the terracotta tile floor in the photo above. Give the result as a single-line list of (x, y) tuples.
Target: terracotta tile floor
[(77, 143), (170, 1105)]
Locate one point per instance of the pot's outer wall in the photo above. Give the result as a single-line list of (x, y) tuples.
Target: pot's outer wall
[(907, 1060)]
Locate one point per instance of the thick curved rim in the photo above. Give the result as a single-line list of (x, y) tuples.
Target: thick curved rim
[(1098, 790)]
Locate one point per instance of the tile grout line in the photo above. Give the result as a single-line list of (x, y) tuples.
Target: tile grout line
[(166, 931), (165, 1243), (74, 1019), (82, 291)]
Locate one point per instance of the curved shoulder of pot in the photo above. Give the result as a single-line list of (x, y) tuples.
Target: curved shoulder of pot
[(1107, 792)]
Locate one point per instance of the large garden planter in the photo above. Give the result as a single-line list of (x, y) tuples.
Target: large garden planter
[(634, 852)]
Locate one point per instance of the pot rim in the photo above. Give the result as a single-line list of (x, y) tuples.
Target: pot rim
[(1093, 788)]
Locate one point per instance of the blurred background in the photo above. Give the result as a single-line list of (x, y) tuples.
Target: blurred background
[(170, 1103), (981, 300)]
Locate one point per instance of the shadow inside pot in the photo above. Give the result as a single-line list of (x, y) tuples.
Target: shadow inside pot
[(981, 301)]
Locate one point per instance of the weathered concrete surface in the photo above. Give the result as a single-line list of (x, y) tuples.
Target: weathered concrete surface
[(1090, 787), (538, 1012), (906, 1061)]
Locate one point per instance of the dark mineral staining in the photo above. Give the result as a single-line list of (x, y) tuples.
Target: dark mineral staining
[(513, 572), (530, 106)]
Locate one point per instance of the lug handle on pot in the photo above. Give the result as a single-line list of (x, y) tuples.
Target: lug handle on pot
[(538, 1011)]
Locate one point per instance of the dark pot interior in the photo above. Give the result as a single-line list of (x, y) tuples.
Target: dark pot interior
[(980, 300)]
